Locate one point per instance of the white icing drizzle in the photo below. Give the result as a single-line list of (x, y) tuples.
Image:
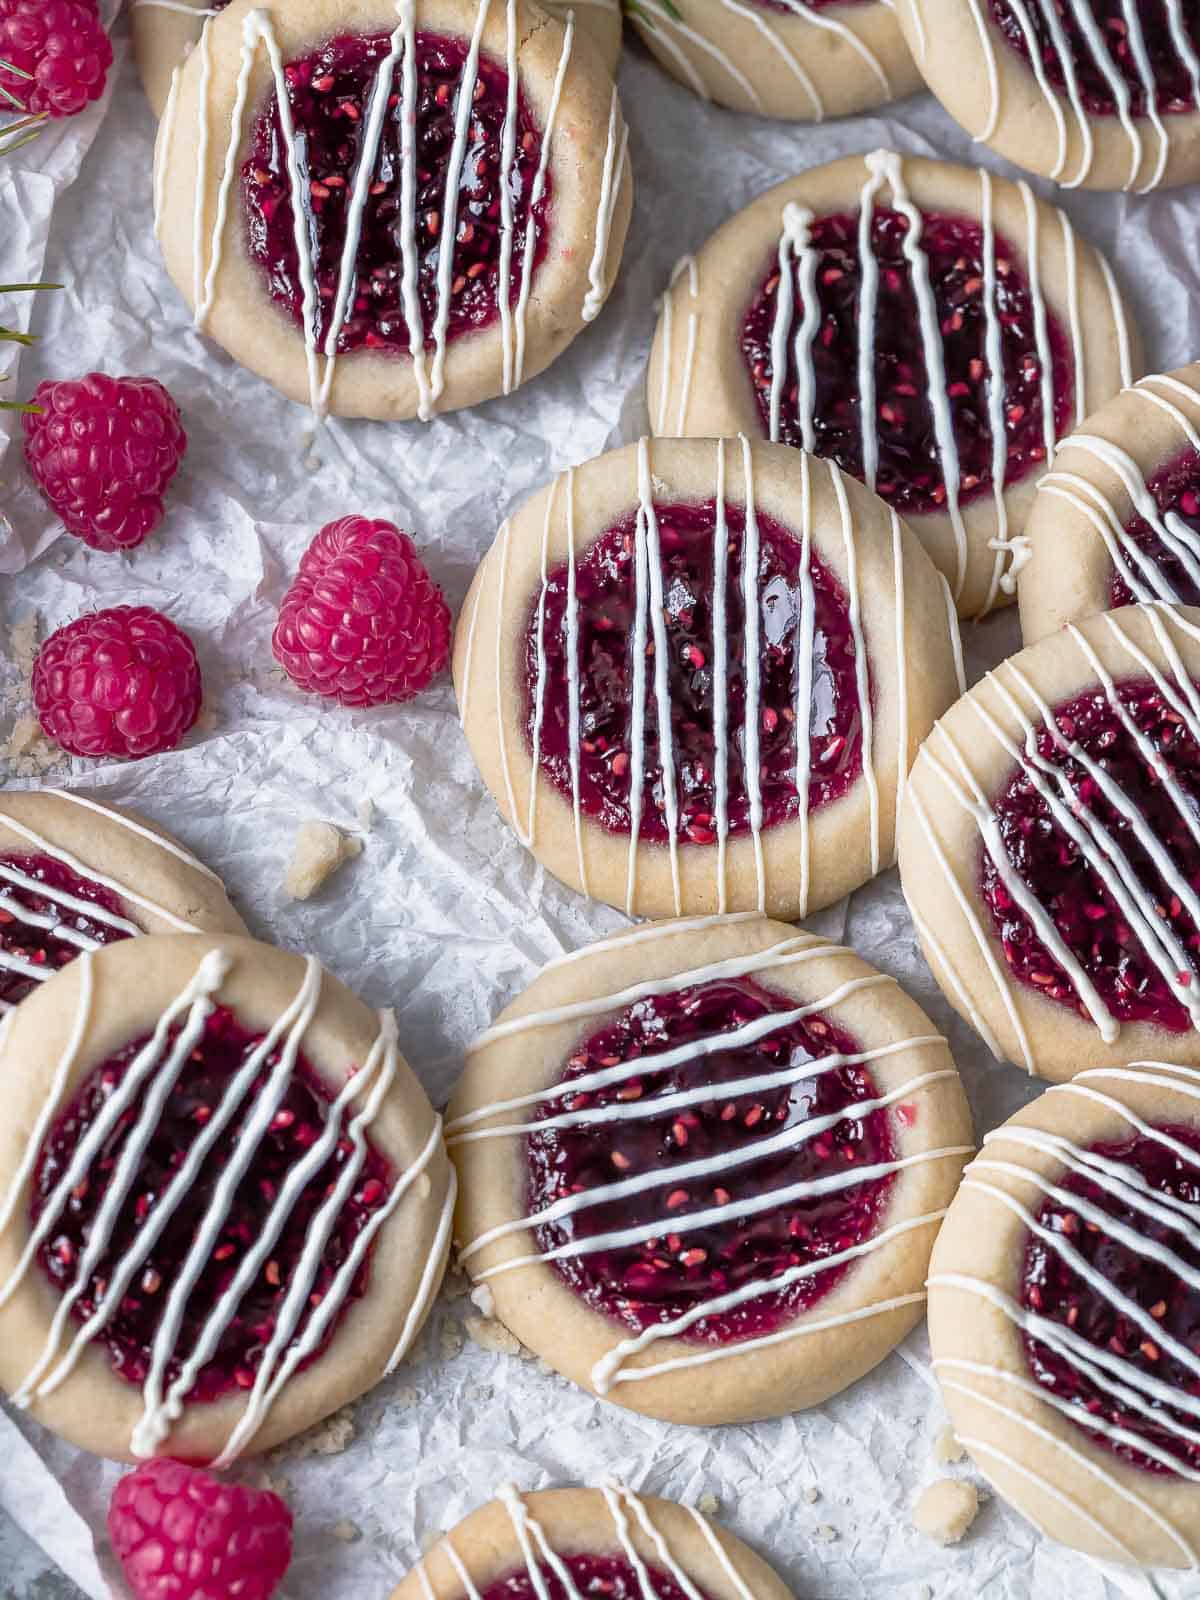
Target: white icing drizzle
[(166, 136), (1142, 575), (902, 720), (429, 376), (488, 1122), (806, 626), (143, 1094), (752, 671), (1111, 1373), (720, 683), (662, 26), (768, 30), (1051, 13), (685, 266), (994, 360)]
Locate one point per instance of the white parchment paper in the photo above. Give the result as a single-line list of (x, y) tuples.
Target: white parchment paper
[(444, 916)]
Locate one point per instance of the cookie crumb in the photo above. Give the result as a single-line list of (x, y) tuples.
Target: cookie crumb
[(346, 1531), (946, 1510), (452, 1341), (946, 1448), (327, 1438), (23, 643), (319, 850), (825, 1532), (483, 1300), (709, 1504), (493, 1336), (810, 1495), (403, 1398)]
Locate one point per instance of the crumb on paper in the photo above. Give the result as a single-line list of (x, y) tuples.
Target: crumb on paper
[(327, 1438), (403, 1398), (493, 1336), (709, 1504), (451, 1341), (811, 1495), (28, 751), (23, 642), (825, 1532), (483, 1300), (946, 1448), (319, 850), (946, 1509), (347, 1531)]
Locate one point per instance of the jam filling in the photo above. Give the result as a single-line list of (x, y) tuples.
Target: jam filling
[(605, 1577), (330, 95), (1174, 89), (669, 1274), (909, 474), (1086, 915), (46, 948), (297, 1125), (1055, 1290), (606, 593), (1176, 491)]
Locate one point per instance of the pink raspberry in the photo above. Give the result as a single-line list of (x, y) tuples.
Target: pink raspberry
[(363, 623), (62, 46), (103, 451), (124, 682), (181, 1534)]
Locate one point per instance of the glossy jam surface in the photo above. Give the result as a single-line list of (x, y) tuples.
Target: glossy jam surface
[(1097, 71), (1176, 491), (26, 905), (606, 589), (601, 1577), (1057, 1290), (330, 94), (910, 475), (666, 1275), (297, 1125), (1070, 890)]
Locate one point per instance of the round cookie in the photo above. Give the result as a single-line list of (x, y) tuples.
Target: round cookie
[(605, 1541), (597, 618), (214, 1153), (165, 31), (76, 874), (1063, 1299), (781, 58), (740, 1232), (1118, 517), (1049, 845), (404, 292), (1095, 98), (963, 275)]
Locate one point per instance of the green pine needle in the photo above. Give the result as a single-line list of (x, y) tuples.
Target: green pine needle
[(11, 336)]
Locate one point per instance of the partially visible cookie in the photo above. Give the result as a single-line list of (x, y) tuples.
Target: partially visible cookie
[(225, 1202), (702, 1164), (1064, 1298), (645, 638), (1050, 846), (77, 874), (933, 329), (780, 58), (1118, 517), (1093, 96), (607, 1541)]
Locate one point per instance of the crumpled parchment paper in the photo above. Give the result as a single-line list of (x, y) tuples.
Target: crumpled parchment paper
[(444, 916)]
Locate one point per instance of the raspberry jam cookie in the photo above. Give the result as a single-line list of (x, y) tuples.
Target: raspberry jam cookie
[(464, 183), (1098, 94), (574, 1542), (76, 875), (932, 329), (1050, 847), (1118, 519), (225, 1199), (643, 640), (1064, 1298), (701, 1166), (165, 31), (801, 62)]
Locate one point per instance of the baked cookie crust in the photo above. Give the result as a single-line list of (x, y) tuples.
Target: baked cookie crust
[(699, 386), (962, 767), (1030, 1448), (79, 1019), (823, 1349), (1077, 542), (501, 1537), (911, 645), (203, 140), (1002, 101), (792, 62)]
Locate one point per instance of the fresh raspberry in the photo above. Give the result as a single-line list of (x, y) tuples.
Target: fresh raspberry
[(124, 682), (102, 451), (363, 623), (62, 46), (181, 1534)]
